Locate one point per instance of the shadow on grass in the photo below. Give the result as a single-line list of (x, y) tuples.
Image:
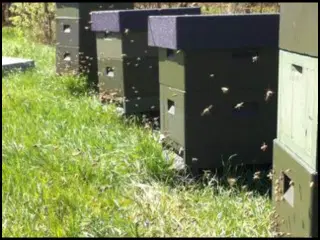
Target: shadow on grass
[(250, 178), (149, 120), (79, 86)]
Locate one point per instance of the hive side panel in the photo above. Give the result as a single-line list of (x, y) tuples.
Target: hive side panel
[(298, 105), (295, 194)]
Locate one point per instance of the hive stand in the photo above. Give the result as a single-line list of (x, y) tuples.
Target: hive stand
[(295, 157), (10, 64), (214, 73), (127, 66), (76, 44)]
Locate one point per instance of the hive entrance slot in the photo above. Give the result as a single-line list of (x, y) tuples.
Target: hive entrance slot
[(66, 28), (67, 57), (297, 69), (288, 190), (170, 53), (171, 107), (107, 36), (110, 72)]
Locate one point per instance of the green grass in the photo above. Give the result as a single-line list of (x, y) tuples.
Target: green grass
[(72, 167)]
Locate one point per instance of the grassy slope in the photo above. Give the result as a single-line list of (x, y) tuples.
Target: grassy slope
[(71, 167)]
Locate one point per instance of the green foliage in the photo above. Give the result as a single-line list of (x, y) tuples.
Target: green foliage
[(34, 20)]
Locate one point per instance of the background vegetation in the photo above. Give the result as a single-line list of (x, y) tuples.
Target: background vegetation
[(37, 20)]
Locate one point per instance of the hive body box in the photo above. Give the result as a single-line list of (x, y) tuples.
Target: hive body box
[(76, 44), (295, 157), (127, 65), (204, 66)]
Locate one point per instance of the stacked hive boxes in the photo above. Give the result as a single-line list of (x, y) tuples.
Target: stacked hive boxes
[(76, 44), (295, 149), (218, 79), (126, 64)]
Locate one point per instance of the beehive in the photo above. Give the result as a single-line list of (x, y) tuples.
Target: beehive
[(215, 72), (76, 45), (126, 64), (295, 149)]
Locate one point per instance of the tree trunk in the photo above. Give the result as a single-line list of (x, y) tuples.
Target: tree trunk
[(48, 27)]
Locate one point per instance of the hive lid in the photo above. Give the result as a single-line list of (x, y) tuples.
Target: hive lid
[(10, 63), (134, 20), (214, 31)]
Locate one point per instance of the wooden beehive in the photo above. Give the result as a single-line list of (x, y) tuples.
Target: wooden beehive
[(295, 157), (127, 65), (213, 86)]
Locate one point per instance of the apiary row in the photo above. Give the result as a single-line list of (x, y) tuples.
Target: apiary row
[(76, 43), (220, 84)]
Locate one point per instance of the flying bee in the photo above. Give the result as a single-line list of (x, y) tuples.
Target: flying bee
[(255, 58), (270, 175), (212, 75), (232, 181), (264, 147), (206, 110), (256, 177), (180, 150), (269, 93), (311, 184), (132, 41), (225, 89), (126, 31), (239, 105)]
